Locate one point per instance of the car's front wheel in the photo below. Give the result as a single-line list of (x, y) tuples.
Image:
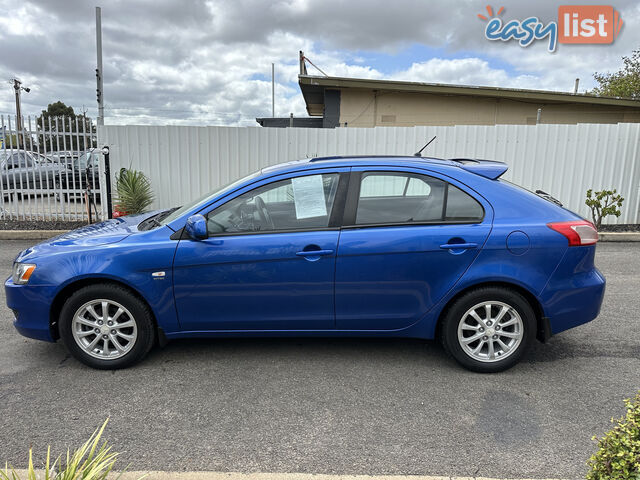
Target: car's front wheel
[(106, 326), (488, 329)]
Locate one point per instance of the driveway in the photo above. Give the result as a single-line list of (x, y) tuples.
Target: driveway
[(348, 406)]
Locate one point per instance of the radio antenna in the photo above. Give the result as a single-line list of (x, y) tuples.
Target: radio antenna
[(419, 152)]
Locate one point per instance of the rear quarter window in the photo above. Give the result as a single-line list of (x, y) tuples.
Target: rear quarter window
[(462, 207)]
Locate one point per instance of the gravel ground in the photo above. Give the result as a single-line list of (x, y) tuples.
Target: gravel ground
[(39, 225), (628, 227), (345, 406)]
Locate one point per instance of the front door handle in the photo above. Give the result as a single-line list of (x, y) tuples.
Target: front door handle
[(314, 253), (458, 246)]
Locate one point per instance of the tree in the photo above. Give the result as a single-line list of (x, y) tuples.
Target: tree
[(623, 83), (10, 141), (57, 109), (61, 129), (602, 204)]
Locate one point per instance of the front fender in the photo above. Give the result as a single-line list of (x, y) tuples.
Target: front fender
[(130, 262)]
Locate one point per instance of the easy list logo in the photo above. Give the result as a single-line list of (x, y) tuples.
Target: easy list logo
[(576, 24)]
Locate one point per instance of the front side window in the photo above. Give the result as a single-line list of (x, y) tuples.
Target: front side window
[(292, 204), (86, 160), (20, 160), (398, 197)]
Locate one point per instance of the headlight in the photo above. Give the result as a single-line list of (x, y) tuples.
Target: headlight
[(22, 272)]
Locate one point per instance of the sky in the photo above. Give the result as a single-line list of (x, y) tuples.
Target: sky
[(208, 62)]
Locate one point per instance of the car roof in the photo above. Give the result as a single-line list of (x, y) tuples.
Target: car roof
[(5, 152), (352, 160)]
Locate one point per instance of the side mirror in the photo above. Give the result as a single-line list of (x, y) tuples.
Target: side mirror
[(196, 227)]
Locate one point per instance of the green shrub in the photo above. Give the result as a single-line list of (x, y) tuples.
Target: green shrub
[(618, 455), (133, 191), (603, 203), (92, 461)]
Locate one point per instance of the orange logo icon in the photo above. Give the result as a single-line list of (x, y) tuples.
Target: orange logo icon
[(588, 24)]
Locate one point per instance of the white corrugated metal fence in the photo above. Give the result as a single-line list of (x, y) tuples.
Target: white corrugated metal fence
[(563, 160)]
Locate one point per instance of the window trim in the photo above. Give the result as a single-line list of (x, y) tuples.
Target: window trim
[(335, 218), (353, 197)]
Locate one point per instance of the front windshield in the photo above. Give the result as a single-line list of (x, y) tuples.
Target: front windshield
[(84, 160), (201, 201)]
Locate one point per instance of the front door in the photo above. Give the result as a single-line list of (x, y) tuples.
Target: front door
[(269, 261), (410, 238)]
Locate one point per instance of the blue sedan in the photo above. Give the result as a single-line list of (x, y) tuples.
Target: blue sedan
[(332, 246)]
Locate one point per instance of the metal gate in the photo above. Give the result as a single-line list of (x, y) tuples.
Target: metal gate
[(50, 169)]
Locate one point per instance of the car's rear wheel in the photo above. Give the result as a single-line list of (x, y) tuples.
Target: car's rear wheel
[(488, 329), (106, 327)]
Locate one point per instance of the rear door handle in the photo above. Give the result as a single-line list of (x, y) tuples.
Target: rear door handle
[(314, 253), (458, 246)]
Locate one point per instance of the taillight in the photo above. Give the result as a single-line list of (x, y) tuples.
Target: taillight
[(579, 232)]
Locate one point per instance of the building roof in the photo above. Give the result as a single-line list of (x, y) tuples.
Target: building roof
[(313, 88)]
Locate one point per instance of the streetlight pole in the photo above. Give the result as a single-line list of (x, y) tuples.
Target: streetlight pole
[(99, 89), (17, 87)]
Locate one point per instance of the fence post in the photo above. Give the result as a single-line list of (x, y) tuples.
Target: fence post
[(107, 174)]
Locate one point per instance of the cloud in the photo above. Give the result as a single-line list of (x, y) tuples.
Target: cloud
[(209, 61), (465, 71)]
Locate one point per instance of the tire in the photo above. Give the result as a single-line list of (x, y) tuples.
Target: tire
[(511, 324), (134, 327)]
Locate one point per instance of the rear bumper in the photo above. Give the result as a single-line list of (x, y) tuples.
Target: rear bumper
[(573, 296), (30, 307)]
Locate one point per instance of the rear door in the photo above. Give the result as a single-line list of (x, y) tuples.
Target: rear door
[(407, 238)]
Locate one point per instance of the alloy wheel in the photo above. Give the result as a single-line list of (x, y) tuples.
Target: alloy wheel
[(490, 331), (104, 329)]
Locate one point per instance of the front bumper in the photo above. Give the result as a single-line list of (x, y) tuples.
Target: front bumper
[(31, 307)]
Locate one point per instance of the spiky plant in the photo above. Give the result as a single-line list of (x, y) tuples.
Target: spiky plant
[(133, 191), (92, 461)]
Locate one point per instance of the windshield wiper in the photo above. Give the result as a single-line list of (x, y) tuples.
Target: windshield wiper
[(548, 197), (155, 220), (149, 223)]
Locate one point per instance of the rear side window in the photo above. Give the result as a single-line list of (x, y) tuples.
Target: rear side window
[(399, 198)]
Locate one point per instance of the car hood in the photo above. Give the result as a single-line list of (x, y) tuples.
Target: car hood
[(103, 233)]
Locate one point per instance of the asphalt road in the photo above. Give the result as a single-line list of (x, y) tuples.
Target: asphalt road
[(347, 406)]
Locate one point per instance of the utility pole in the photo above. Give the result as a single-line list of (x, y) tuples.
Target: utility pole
[(273, 91), (17, 87), (99, 89)]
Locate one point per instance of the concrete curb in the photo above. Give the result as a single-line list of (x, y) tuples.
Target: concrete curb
[(155, 475), (44, 234), (619, 236)]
